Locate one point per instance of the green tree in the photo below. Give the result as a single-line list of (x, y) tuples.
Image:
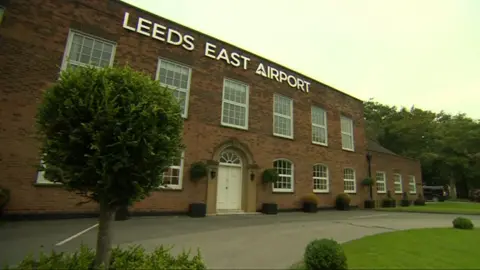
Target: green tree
[(108, 134)]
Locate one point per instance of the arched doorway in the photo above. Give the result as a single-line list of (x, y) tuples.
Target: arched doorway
[(229, 181)]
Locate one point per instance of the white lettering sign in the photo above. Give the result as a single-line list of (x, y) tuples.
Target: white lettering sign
[(171, 36), (159, 32)]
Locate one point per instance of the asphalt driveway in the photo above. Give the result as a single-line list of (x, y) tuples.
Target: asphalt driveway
[(238, 241)]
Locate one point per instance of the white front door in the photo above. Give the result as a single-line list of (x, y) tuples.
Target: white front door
[(229, 188)]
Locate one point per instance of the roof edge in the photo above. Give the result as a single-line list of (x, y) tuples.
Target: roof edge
[(228, 43)]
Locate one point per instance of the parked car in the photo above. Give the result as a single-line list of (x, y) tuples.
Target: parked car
[(435, 193), (474, 195)]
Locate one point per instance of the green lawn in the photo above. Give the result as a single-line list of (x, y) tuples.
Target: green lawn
[(440, 207), (439, 248)]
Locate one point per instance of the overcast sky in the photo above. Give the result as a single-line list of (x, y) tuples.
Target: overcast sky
[(400, 52)]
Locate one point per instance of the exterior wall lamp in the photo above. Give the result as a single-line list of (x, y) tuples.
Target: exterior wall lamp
[(213, 173), (252, 176), (2, 12)]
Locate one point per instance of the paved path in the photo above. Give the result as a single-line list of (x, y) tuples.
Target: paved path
[(243, 241)]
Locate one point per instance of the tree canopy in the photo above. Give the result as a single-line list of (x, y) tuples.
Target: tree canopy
[(108, 134), (447, 145)]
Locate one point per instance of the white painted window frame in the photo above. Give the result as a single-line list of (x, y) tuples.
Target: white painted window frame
[(186, 91), (412, 184), (354, 180), (350, 121), (246, 105), (327, 190), (283, 116), (292, 177), (180, 174), (383, 182), (324, 127), (397, 182), (68, 47)]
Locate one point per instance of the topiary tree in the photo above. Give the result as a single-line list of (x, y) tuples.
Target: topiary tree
[(324, 254), (108, 134)]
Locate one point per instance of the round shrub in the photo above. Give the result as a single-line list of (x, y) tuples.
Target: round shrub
[(462, 223), (310, 198), (324, 254)]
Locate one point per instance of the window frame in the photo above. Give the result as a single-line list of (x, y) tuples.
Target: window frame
[(68, 48), (284, 116), (187, 95), (246, 105), (343, 117), (410, 184), (327, 178), (350, 180), (325, 126), (292, 177), (179, 186), (384, 182), (395, 182)]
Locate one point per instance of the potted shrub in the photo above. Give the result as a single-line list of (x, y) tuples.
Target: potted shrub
[(420, 201), (342, 201), (369, 182), (389, 201), (404, 202), (4, 199), (310, 203), (269, 176), (198, 171)]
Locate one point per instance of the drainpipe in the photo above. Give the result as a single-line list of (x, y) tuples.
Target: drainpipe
[(369, 162)]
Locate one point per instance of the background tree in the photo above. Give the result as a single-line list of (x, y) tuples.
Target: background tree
[(448, 146), (108, 134)]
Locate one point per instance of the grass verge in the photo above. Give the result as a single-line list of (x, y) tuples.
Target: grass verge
[(437, 248), (467, 208)]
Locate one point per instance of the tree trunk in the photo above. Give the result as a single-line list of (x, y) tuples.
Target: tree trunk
[(453, 188), (104, 236)]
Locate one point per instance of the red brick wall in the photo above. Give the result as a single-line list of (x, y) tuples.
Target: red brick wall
[(32, 41), (391, 164)]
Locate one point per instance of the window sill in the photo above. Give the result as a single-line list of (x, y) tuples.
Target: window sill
[(320, 144), (381, 192), (233, 126), (321, 191), (350, 192), (283, 136), (48, 185), (348, 150), (279, 191), (169, 189), (398, 192)]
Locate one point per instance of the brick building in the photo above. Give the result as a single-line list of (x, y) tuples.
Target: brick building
[(243, 113)]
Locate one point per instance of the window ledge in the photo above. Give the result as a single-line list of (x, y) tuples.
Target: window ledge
[(283, 191), (381, 192), (233, 126), (348, 150), (282, 136), (350, 192), (320, 144), (48, 185), (398, 192), (169, 189), (321, 191)]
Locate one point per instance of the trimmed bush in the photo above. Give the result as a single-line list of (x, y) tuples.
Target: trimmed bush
[(462, 223), (270, 176), (324, 254), (134, 257), (198, 170), (342, 201)]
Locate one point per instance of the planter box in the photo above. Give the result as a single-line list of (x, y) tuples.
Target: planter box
[(122, 213), (197, 210), (419, 202), (270, 208), (405, 203), (369, 204), (388, 203), (342, 207), (310, 207)]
